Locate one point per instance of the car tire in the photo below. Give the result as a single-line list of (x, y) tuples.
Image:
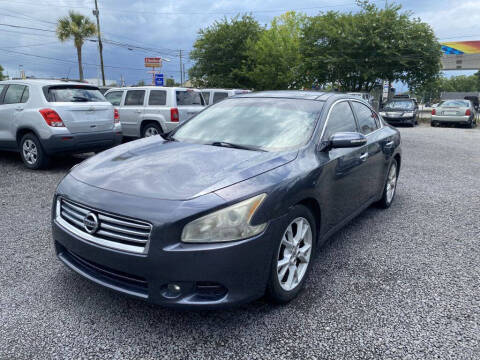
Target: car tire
[(151, 129), (432, 124), (32, 153), (293, 256), (471, 124), (390, 187)]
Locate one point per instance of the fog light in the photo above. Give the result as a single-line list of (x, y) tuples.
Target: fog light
[(174, 288)]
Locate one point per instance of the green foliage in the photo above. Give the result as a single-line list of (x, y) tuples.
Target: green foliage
[(140, 83), (220, 53), (2, 77), (275, 56), (77, 27), (432, 90), (170, 82), (357, 50)]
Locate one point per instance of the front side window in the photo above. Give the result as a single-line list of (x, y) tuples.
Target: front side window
[(157, 97), (73, 93), (14, 94), (114, 97), (219, 96), (341, 119), (134, 97), (263, 123), (367, 119), (189, 97)]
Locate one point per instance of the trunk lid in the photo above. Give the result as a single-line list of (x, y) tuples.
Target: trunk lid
[(86, 117)]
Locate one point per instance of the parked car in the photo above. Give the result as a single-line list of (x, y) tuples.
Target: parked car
[(212, 96), (454, 112), (151, 110), (365, 96), (43, 118), (232, 204), (400, 111)]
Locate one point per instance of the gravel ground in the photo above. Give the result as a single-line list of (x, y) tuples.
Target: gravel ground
[(401, 283)]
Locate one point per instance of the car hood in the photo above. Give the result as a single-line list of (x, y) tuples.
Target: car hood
[(156, 168)]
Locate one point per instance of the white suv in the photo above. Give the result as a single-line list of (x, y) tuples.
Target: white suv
[(152, 110), (212, 96), (42, 118)]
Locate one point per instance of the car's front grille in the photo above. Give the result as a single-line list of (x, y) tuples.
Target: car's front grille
[(103, 228)]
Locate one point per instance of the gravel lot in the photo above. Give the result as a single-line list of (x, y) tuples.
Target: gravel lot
[(402, 283)]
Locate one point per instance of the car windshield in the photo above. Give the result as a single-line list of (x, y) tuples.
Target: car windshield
[(455, 103), (263, 123), (74, 93), (400, 105)]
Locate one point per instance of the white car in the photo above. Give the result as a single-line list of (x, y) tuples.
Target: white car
[(151, 110), (43, 118), (212, 96)]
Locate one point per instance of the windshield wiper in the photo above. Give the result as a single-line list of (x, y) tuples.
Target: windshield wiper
[(235, 146), (80, 98)]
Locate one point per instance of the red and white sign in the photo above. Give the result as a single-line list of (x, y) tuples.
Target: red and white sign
[(153, 62)]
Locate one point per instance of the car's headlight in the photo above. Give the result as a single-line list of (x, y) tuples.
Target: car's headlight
[(409, 114), (383, 113), (231, 223)]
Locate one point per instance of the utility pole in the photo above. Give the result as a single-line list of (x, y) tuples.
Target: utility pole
[(184, 74), (181, 69), (100, 45)]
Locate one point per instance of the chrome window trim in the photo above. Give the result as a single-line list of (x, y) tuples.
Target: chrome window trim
[(329, 113)]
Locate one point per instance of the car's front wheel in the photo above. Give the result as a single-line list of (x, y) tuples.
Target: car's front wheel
[(292, 256), (32, 153), (390, 186)]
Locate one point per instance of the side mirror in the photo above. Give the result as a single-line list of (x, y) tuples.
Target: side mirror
[(347, 140)]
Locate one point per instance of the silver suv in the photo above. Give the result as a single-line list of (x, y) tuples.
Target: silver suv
[(212, 96), (152, 110), (42, 118)]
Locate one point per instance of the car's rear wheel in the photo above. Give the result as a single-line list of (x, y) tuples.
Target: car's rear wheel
[(32, 153), (390, 186), (292, 256), (151, 129)]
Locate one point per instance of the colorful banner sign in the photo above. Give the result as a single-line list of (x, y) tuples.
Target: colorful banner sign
[(461, 47)]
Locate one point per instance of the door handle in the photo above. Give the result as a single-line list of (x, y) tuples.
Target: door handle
[(364, 156), (390, 143), (19, 108)]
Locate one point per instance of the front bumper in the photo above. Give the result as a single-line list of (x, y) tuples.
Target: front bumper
[(81, 142), (399, 120), (208, 275)]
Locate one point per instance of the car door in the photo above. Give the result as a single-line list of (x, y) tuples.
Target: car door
[(131, 112), (374, 165), (11, 107), (342, 176)]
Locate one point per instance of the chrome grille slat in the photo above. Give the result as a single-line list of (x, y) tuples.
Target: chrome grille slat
[(120, 233)]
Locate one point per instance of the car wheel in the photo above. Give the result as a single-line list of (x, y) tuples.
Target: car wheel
[(151, 129), (32, 153), (390, 186), (471, 125), (293, 256)]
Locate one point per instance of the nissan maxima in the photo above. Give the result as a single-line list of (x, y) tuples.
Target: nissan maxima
[(231, 205)]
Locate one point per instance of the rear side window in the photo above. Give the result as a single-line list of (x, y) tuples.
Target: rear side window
[(114, 97), (206, 96), (189, 97), (14, 94), (134, 97), (367, 119), (341, 120), (73, 93), (219, 96), (157, 97)]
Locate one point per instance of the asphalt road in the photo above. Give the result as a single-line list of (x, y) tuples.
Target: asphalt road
[(401, 283)]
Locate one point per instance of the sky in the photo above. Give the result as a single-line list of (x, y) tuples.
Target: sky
[(163, 27)]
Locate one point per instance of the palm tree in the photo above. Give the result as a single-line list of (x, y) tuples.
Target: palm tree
[(78, 27)]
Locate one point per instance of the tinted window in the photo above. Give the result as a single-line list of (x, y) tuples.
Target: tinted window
[(269, 124), (189, 97), (26, 95), (115, 97), (400, 105), (134, 97), (14, 94), (74, 93), (206, 96), (341, 120), (157, 97), (219, 96), (366, 118)]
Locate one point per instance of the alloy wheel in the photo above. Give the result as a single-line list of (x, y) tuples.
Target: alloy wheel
[(151, 131), (30, 152), (391, 182), (294, 253)]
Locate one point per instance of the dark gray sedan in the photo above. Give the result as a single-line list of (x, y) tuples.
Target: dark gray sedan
[(232, 205)]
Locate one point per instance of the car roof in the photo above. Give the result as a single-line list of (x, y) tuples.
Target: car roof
[(152, 87), (44, 82), (298, 94)]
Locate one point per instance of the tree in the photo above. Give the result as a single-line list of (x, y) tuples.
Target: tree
[(79, 28), (140, 83), (171, 82), (358, 50), (220, 53), (2, 77), (275, 56)]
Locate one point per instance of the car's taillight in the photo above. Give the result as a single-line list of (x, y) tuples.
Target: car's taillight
[(174, 115), (468, 112), (434, 112), (116, 116), (51, 118)]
